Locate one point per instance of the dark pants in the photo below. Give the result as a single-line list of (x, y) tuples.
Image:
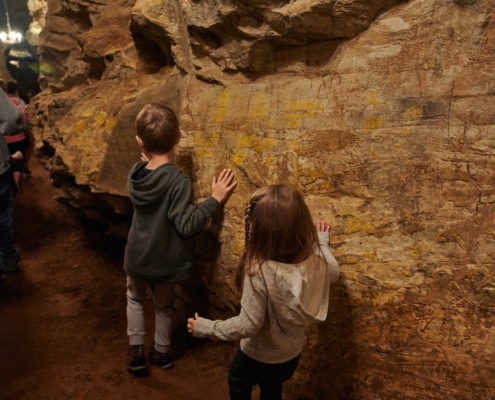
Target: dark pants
[(245, 372), (8, 253)]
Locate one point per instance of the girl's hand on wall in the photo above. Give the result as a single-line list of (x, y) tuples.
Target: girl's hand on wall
[(322, 227)]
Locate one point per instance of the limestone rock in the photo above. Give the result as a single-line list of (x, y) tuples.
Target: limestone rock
[(37, 10), (380, 112)]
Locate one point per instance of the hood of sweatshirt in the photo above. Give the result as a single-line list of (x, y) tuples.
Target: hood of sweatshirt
[(303, 289), (146, 191), (299, 293)]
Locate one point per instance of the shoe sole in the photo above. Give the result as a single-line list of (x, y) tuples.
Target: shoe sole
[(163, 366), (134, 369), (167, 366)]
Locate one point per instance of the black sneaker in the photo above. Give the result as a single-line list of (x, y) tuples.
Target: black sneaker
[(136, 360), (163, 360)]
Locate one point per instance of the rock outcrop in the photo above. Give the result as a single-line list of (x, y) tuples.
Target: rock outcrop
[(380, 112)]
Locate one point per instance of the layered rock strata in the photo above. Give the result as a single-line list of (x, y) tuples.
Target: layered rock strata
[(380, 112)]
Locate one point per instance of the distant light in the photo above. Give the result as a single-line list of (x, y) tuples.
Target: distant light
[(11, 37)]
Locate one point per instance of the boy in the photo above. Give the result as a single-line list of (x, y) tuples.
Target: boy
[(160, 245)]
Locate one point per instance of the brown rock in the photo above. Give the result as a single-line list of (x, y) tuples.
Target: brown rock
[(380, 112)]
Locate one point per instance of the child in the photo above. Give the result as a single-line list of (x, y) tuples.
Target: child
[(160, 244), (285, 274)]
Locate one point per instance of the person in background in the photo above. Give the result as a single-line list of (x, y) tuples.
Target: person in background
[(159, 251), (10, 124), (284, 275), (20, 142)]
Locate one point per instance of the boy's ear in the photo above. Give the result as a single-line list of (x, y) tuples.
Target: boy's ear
[(179, 138), (139, 141)]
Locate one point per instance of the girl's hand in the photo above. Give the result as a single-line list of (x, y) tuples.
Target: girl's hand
[(144, 157), (223, 185), (190, 324), (321, 226)]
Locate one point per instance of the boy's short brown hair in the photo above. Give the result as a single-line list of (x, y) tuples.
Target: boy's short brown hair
[(158, 128)]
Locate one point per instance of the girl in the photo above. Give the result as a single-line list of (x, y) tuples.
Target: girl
[(284, 275)]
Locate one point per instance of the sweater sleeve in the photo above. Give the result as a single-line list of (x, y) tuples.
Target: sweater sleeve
[(186, 217), (332, 264), (254, 305), (10, 117)]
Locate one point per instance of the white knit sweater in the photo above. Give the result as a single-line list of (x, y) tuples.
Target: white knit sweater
[(276, 310)]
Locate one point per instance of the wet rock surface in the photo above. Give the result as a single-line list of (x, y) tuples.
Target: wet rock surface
[(381, 113)]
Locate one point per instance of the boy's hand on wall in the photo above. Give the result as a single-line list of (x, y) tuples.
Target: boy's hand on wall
[(223, 185)]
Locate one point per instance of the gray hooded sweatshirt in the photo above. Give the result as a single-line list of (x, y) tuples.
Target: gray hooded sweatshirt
[(277, 306), (160, 243)]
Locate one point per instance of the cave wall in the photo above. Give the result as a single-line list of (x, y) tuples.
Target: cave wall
[(380, 112)]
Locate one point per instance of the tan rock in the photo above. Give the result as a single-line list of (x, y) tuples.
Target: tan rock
[(381, 114)]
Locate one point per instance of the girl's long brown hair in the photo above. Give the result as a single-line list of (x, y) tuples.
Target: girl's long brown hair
[(278, 227)]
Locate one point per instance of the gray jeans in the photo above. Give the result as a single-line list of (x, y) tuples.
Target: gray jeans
[(163, 301)]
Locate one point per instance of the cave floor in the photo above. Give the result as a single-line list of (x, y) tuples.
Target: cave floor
[(63, 317)]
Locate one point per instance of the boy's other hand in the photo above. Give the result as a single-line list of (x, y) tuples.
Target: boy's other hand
[(322, 227), (223, 185), (190, 324), (144, 157)]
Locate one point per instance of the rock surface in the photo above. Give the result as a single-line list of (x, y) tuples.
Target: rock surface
[(380, 112)]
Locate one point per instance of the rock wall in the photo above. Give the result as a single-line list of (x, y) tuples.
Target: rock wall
[(380, 112)]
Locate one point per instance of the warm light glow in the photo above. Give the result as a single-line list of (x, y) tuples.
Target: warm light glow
[(11, 37)]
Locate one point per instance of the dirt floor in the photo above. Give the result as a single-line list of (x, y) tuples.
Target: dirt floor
[(63, 317)]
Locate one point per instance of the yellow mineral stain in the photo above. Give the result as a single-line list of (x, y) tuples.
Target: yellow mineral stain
[(398, 131), (239, 157), (353, 225), (351, 275), (373, 98), (204, 147), (417, 250), (310, 106), (296, 110), (269, 160), (238, 247), (414, 112), (81, 125), (203, 153), (370, 256), (109, 124), (294, 121), (215, 138), (222, 102), (352, 259), (88, 113), (245, 140), (384, 298), (294, 145), (100, 117), (265, 144), (374, 122), (258, 106)]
